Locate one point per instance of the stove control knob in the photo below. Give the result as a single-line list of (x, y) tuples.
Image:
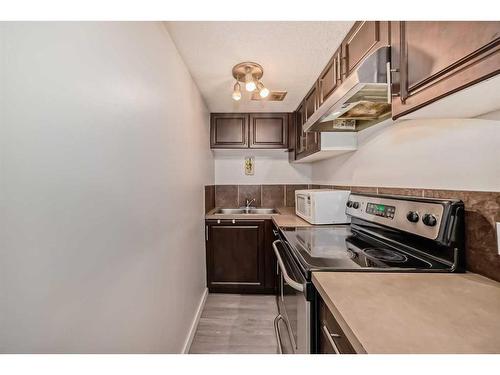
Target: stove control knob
[(355, 205), (429, 220), (349, 204), (412, 216)]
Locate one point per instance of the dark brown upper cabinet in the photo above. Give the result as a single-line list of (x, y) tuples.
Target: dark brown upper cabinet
[(364, 38), (312, 142), (435, 59), (330, 78), (311, 102), (249, 130), (300, 135), (269, 130), (292, 136), (306, 143), (229, 130)]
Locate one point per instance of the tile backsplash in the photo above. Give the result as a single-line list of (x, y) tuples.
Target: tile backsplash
[(229, 196)]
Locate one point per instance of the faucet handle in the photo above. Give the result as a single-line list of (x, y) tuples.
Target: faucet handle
[(248, 202)]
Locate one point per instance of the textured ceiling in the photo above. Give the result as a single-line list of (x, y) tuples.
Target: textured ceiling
[(291, 53)]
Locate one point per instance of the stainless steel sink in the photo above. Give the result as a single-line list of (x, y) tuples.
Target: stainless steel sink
[(263, 211), (246, 211)]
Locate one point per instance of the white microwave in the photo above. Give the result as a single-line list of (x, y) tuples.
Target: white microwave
[(322, 206)]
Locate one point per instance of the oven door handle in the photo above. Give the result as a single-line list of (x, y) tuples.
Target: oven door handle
[(295, 285)]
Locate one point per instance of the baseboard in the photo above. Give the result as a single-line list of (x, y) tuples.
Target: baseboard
[(194, 325)]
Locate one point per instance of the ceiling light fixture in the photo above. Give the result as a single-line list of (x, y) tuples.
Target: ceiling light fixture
[(248, 73)]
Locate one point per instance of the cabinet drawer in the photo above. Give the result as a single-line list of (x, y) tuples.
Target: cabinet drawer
[(332, 339)]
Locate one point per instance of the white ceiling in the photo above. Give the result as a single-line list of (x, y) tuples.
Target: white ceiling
[(292, 54)]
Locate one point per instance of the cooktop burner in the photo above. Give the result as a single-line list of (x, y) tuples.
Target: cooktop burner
[(385, 255)]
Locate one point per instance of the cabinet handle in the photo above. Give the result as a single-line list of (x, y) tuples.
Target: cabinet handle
[(389, 83), (275, 232), (320, 91), (338, 68), (206, 232), (234, 221), (330, 339), (403, 63)]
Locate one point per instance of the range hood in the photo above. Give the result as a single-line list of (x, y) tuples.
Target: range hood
[(362, 100)]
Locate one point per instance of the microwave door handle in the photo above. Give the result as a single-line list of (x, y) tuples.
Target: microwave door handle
[(295, 285)]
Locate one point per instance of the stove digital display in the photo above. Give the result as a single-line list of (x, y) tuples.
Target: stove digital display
[(381, 210)]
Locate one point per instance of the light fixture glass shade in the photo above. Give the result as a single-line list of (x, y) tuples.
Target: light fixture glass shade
[(237, 91), (250, 82), (263, 91)]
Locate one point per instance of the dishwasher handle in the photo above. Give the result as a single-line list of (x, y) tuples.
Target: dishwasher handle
[(295, 285)]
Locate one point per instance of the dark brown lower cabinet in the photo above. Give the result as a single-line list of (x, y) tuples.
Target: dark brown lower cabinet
[(331, 338), (239, 256)]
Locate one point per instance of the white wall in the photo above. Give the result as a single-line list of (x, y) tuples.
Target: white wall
[(442, 154), (271, 167), (101, 203)]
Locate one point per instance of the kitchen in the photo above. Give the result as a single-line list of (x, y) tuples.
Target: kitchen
[(206, 187)]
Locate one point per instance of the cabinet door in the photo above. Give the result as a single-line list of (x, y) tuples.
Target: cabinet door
[(331, 338), (235, 256), (300, 145), (435, 59), (228, 130), (310, 103), (363, 39), (269, 130), (313, 140), (330, 78), (292, 136)]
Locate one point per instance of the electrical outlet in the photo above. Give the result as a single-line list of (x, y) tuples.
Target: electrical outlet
[(498, 238)]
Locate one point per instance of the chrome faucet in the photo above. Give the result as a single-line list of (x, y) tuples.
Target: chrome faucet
[(248, 203)]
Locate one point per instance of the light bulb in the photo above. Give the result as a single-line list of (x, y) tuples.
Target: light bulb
[(236, 91), (236, 95), (263, 91), (249, 82), (250, 86)]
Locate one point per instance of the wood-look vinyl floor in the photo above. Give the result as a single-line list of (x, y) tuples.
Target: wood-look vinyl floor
[(235, 323)]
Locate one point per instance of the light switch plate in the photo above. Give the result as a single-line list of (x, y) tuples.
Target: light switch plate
[(498, 238)]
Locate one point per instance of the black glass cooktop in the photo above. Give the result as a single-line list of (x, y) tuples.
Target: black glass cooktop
[(337, 248)]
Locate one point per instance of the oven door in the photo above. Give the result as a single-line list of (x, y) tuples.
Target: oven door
[(292, 325)]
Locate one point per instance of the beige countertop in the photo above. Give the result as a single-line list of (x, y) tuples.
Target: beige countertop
[(284, 218), (414, 312)]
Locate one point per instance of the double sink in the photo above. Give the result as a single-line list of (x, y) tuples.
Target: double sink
[(246, 211)]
